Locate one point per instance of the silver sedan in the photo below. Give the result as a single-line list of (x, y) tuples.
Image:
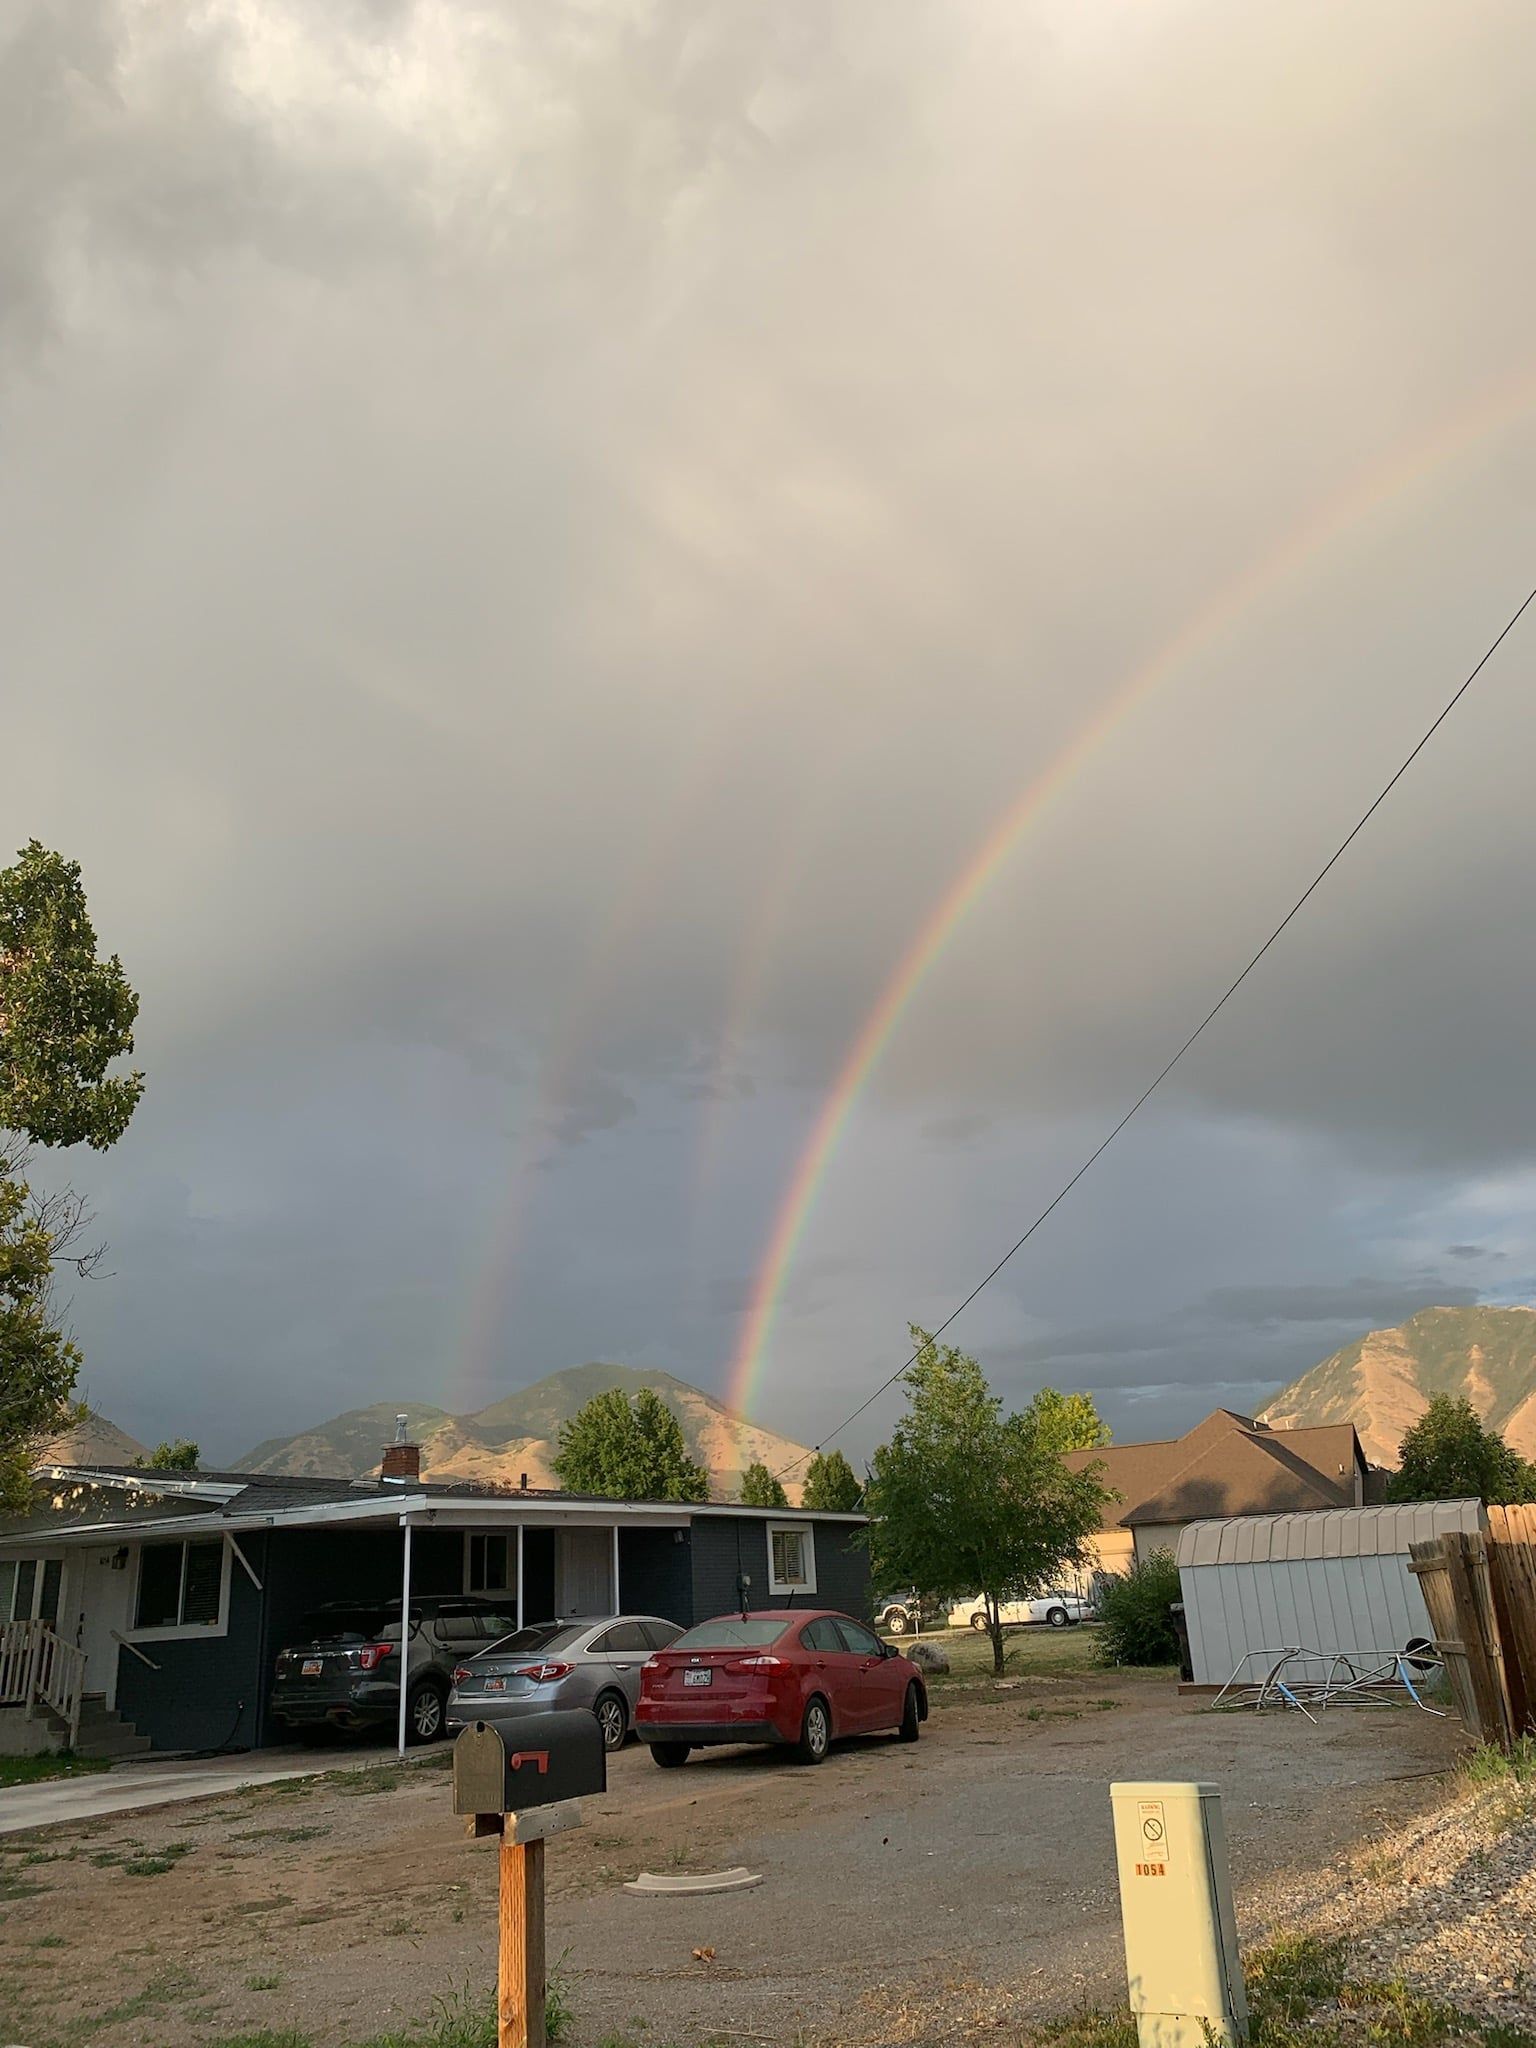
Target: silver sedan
[(594, 1664)]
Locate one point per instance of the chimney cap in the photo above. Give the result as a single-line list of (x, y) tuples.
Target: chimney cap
[(402, 1424)]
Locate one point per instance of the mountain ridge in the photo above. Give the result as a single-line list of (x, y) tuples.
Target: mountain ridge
[(519, 1433), (1383, 1381)]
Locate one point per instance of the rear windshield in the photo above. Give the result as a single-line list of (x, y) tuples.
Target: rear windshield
[(754, 1634), (539, 1635), (350, 1624)]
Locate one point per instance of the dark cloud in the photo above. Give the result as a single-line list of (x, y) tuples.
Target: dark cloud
[(539, 559)]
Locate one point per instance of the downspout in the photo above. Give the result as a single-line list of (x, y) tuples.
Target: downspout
[(519, 1574)]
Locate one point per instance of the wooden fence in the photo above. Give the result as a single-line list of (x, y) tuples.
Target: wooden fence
[(1481, 1596)]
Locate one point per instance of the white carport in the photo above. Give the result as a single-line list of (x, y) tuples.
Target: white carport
[(1331, 1580)]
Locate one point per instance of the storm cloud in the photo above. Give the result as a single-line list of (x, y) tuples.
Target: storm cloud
[(544, 539)]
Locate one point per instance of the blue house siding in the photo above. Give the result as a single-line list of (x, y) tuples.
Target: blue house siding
[(656, 1574), (726, 1547), (207, 1691)]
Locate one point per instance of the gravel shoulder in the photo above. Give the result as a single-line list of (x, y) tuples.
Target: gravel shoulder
[(969, 1880)]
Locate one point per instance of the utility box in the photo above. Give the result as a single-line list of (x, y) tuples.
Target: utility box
[(548, 1758), (1181, 1960)]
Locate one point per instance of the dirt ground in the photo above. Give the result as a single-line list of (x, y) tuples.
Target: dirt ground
[(909, 1895)]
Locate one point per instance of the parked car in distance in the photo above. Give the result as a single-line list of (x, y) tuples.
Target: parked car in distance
[(344, 1670), (551, 1664), (803, 1680), (1057, 1608), (905, 1612)]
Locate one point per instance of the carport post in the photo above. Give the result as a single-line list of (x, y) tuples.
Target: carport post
[(405, 1626), (519, 1574), (617, 1603)]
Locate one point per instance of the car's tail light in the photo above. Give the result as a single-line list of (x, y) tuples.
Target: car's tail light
[(460, 1673), (542, 1674), (372, 1655), (651, 1664), (754, 1664)]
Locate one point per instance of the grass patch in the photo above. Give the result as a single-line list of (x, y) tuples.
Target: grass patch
[(1300, 1996), (33, 1770), (1490, 1766)]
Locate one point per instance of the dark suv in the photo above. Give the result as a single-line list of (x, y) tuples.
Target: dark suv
[(346, 1671)]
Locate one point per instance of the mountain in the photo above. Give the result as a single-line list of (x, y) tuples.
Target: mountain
[(1383, 1382), (520, 1433), (92, 1441)]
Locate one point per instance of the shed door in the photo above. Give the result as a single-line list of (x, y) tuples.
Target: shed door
[(583, 1573)]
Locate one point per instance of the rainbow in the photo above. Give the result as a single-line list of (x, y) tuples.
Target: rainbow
[(1361, 495)]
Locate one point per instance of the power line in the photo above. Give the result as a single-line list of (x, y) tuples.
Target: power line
[(1209, 1018)]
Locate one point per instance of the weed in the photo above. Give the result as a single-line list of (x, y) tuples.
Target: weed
[(19, 1887), (262, 1983), (1490, 1766), (50, 1941)]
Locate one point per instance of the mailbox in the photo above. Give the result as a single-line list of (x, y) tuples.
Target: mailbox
[(539, 1760)]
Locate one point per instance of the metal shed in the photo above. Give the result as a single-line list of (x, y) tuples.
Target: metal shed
[(1332, 1579)]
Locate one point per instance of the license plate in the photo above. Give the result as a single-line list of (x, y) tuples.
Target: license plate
[(495, 1685), (698, 1677), (310, 1668)]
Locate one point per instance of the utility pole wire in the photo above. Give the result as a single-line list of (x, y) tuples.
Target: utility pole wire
[(1209, 1018)]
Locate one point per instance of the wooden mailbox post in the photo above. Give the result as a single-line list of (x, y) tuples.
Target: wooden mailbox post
[(524, 1790)]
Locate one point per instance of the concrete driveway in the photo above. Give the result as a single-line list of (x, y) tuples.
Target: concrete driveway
[(128, 1788)]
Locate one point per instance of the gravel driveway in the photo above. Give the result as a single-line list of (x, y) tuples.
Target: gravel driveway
[(909, 1895)]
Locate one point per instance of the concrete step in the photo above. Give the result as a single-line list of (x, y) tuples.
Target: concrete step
[(103, 1733)]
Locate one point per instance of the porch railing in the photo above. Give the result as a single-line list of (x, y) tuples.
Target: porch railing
[(38, 1668)]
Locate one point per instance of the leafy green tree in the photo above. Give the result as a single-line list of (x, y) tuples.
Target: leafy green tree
[(627, 1449), (180, 1456), (831, 1485), (1067, 1422), (759, 1488), (1449, 1454), (967, 1499), (65, 1016)]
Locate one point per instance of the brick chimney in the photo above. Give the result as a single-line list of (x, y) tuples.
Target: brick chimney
[(402, 1460)]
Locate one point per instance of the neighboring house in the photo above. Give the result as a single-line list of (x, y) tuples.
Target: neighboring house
[(168, 1595), (1226, 1465)]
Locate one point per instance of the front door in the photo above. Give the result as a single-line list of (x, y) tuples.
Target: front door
[(95, 1604), (583, 1573)]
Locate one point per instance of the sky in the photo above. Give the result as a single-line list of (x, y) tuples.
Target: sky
[(543, 539)]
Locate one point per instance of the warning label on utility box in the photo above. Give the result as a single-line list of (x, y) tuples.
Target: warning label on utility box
[(1153, 1824)]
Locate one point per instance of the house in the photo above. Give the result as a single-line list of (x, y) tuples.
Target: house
[(1226, 1465), (161, 1599)]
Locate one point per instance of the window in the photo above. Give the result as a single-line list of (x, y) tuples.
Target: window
[(623, 1639), (791, 1558), (182, 1585), (857, 1638), (822, 1635), (726, 1634), (30, 1586), (486, 1563), (660, 1635)]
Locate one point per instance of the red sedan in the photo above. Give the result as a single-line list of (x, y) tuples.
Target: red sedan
[(785, 1677)]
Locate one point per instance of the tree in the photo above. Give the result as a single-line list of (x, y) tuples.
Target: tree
[(966, 1499), (831, 1485), (1068, 1422), (628, 1450), (180, 1456), (759, 1488), (64, 1017), (1450, 1455)]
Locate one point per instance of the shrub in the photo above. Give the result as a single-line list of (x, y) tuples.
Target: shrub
[(1136, 1625)]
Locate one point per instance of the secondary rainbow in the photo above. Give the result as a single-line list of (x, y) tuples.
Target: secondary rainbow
[(1032, 804)]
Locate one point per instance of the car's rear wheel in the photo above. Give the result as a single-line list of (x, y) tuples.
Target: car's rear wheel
[(979, 1621), (670, 1754), (896, 1622), (424, 1708), (612, 1719), (815, 1732), (1058, 1617), (911, 1716)]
